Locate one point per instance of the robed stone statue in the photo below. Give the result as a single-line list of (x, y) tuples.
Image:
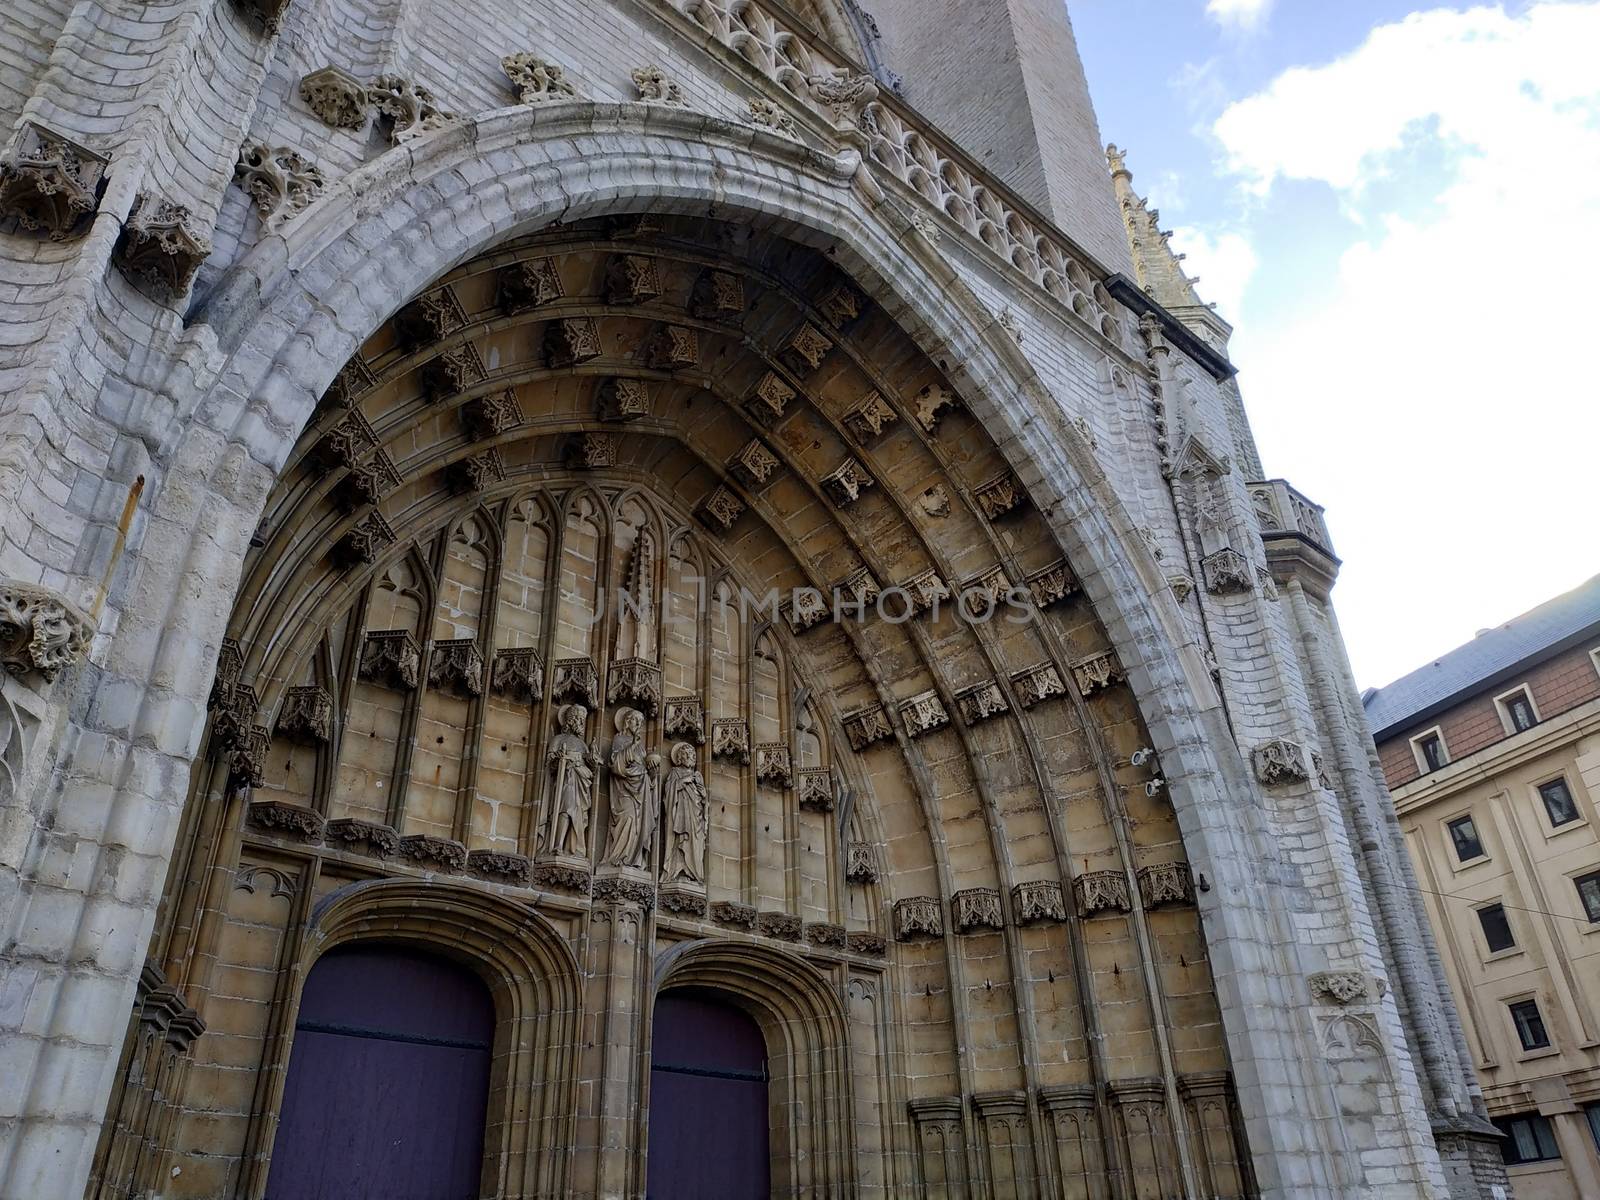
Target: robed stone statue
[(683, 799), (633, 800), (571, 764)]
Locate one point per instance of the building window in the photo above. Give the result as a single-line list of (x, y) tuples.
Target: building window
[(1517, 708), (1558, 802), (1593, 1113), (1496, 929), (1589, 893), (1430, 751), (1530, 1025), (1528, 1139), (1464, 834)]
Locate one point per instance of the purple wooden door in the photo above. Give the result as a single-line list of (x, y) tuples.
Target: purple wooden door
[(708, 1102), (388, 1081)]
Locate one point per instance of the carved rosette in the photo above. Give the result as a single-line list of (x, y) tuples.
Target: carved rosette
[(50, 183), (924, 713), (806, 350), (980, 702), (40, 630), (491, 415), (336, 96), (561, 875), (731, 913), (720, 510), (999, 495), (1282, 761), (429, 318), (655, 86), (623, 889), (451, 373), (672, 348), (622, 399), (518, 674), (861, 941), (362, 837), (870, 416), (1227, 571), (1344, 987), (306, 715), (1052, 585), (815, 789), (860, 863), (684, 717), (917, 917), (931, 403), (391, 658), (592, 451), (774, 766), (717, 296), (1166, 883), (1038, 902), (282, 182), (456, 665), (1038, 684), (781, 925), (576, 679), (976, 909), (500, 866), (730, 739), (159, 246), (632, 279), (277, 817), (476, 472), (845, 483), (434, 853), (1101, 891), (536, 80), (635, 681), (753, 464), (531, 283), (831, 936), (841, 305), (682, 897), (1097, 673), (868, 725), (364, 542), (768, 400)]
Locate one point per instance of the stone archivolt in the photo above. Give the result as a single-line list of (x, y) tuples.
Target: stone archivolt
[(999, 496)]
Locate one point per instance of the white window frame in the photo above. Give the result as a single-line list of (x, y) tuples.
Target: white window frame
[(1504, 709), (1456, 861), (1551, 829), (1422, 759)]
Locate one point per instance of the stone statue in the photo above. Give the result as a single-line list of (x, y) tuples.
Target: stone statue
[(683, 798), (633, 776), (572, 769)]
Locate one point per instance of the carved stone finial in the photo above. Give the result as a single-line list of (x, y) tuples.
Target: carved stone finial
[(160, 246), (40, 630), (50, 183), (536, 80), (280, 181), (336, 96), (655, 86)]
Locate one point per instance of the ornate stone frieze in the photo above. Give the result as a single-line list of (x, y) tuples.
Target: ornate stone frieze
[(730, 739), (345, 444), (870, 416), (282, 182), (1038, 902), (536, 80), (1102, 891), (831, 936), (753, 464), (844, 95), (767, 115), (927, 591), (868, 725), (528, 283), (815, 789), (672, 348), (500, 866), (559, 875), (774, 765), (655, 86), (924, 713), (50, 183), (336, 96), (720, 509), (622, 889), (622, 399), (635, 681), (477, 472), (806, 608), (306, 715), (845, 483), (275, 816), (862, 941), (391, 658), (999, 495), (980, 702), (632, 279), (682, 897), (684, 717), (781, 925), (518, 673), (1227, 571), (1052, 585), (247, 763), (729, 912), (860, 863), (859, 588), (768, 399), (407, 109), (367, 483), (592, 451), (453, 372), (434, 853), (40, 630), (931, 403), (1166, 883), (1282, 761), (1344, 987), (491, 415), (976, 908), (364, 542), (362, 837), (160, 246), (456, 665), (575, 679), (806, 350), (917, 917), (571, 340), (717, 296), (1097, 673), (1038, 684), (429, 318)]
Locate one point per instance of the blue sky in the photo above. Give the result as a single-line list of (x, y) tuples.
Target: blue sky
[(1398, 206)]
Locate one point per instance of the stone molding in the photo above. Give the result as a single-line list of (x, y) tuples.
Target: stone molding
[(41, 631)]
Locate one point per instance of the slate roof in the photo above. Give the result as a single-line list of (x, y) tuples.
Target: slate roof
[(1466, 668)]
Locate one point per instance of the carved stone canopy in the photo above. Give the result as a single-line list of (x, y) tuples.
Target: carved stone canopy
[(730, 739), (50, 183), (40, 630), (868, 725), (160, 246), (870, 416), (456, 665), (924, 713), (863, 941), (1227, 571), (1097, 673), (632, 279), (682, 896), (391, 658), (931, 403), (1282, 761), (918, 917), (975, 909), (673, 348), (518, 674), (430, 317), (999, 495), (816, 789), (336, 96), (684, 717), (781, 925), (1052, 585), (491, 415), (768, 400), (365, 541), (529, 283), (730, 912), (806, 350), (267, 13), (721, 509), (623, 399), (1166, 883), (1035, 685), (571, 340), (434, 853), (306, 715), (831, 936), (637, 682), (845, 483), (717, 296), (1038, 901), (861, 863), (408, 107), (774, 765), (1102, 891), (980, 702), (576, 679)]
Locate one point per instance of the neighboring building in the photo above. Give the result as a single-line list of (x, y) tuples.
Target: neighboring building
[(1493, 755), (355, 840)]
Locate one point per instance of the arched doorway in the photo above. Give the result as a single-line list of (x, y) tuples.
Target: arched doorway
[(388, 1080), (708, 1101)]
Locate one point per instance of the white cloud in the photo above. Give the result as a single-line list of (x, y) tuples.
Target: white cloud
[(1242, 14), (1222, 266), (1432, 396)]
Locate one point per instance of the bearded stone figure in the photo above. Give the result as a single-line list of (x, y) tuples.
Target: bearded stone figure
[(571, 765), (633, 779), (687, 818)]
